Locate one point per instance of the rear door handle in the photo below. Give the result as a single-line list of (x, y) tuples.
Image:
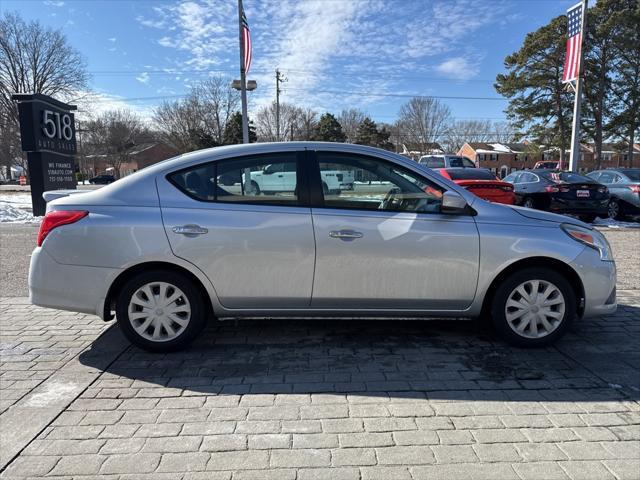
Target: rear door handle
[(346, 235), (190, 230)]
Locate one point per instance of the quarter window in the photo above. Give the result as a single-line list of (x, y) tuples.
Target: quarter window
[(264, 179), (366, 183)]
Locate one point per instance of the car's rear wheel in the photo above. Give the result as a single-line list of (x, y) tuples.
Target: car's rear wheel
[(528, 203), (614, 210), (534, 307), (160, 311)]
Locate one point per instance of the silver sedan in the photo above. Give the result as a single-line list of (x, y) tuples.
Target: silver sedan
[(311, 230)]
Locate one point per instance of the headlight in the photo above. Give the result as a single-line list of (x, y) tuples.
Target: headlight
[(591, 238)]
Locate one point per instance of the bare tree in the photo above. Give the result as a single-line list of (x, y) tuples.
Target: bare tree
[(505, 132), (112, 136), (266, 122), (462, 131), (423, 121), (350, 119), (33, 59), (199, 120), (307, 124)]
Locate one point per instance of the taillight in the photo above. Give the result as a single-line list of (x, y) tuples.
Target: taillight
[(603, 190), (507, 188), (551, 189), (634, 188), (57, 218)]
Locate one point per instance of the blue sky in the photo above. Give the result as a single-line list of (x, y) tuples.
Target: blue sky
[(335, 53)]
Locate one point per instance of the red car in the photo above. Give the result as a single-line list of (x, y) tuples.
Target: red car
[(482, 182)]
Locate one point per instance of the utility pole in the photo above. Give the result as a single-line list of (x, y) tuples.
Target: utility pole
[(243, 80), (574, 157), (279, 80)]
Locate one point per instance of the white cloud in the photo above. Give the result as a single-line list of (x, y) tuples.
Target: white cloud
[(458, 68), (93, 104), (112, 39), (143, 77), (54, 3)]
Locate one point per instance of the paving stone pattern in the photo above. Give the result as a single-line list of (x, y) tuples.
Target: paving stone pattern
[(329, 400)]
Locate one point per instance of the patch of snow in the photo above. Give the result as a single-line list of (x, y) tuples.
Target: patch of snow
[(16, 208), (611, 223)]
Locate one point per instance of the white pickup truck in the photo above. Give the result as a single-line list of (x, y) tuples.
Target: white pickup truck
[(281, 177)]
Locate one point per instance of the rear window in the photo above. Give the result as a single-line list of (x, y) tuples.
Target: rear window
[(632, 174), (567, 177), (470, 174), (434, 162), (461, 162)]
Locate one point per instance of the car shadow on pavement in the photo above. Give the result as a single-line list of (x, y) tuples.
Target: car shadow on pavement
[(598, 360)]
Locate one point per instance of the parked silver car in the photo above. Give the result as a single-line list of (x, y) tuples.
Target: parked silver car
[(171, 246), (624, 188)]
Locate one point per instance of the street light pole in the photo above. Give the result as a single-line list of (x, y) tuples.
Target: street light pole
[(243, 82)]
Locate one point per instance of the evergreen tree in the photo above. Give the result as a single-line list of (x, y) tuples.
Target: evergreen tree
[(367, 133), (329, 129), (233, 130), (626, 82), (602, 29), (539, 103)]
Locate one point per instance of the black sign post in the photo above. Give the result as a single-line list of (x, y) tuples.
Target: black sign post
[(48, 132)]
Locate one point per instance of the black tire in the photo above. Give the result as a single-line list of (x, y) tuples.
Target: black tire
[(504, 290), (325, 188), (528, 203), (256, 187), (615, 210), (197, 320)]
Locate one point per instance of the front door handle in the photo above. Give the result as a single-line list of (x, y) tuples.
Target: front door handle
[(190, 230), (346, 235)]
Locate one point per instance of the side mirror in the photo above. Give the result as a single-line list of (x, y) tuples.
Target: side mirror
[(453, 204)]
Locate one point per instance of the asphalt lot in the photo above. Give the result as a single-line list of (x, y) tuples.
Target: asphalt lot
[(316, 399)]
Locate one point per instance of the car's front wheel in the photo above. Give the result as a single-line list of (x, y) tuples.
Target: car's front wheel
[(160, 311), (534, 307)]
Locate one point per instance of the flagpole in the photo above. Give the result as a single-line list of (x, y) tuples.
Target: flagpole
[(574, 157), (243, 80)]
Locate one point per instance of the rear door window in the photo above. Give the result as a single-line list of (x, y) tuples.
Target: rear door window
[(270, 179)]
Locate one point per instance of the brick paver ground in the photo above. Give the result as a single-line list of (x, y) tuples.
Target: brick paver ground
[(325, 399)]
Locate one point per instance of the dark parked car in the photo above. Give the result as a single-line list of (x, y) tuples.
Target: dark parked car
[(624, 188), (560, 192), (482, 182), (102, 179)]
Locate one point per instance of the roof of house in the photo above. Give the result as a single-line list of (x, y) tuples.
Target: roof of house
[(497, 147)]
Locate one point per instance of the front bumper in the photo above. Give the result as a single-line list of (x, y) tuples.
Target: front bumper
[(68, 287), (599, 282)]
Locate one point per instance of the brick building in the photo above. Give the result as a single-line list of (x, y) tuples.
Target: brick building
[(140, 156), (501, 158)]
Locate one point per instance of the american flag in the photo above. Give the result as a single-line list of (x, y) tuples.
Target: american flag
[(246, 43), (574, 43)]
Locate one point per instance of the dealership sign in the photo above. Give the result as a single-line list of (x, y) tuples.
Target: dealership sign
[(48, 132)]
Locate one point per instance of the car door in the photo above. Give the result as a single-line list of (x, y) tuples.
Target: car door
[(385, 245), (258, 250)]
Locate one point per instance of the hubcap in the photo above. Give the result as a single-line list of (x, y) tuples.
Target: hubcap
[(535, 308), (159, 311), (613, 209)]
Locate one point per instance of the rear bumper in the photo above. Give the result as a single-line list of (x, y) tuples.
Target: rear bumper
[(68, 287), (573, 206)]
